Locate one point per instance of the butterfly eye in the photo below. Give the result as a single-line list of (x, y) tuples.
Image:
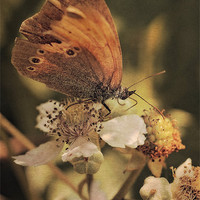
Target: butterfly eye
[(34, 60), (70, 52), (30, 68), (40, 52)]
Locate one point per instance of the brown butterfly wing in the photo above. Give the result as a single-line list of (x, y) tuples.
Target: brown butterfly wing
[(58, 71), (72, 47)]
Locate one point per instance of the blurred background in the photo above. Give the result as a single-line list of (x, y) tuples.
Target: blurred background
[(155, 36)]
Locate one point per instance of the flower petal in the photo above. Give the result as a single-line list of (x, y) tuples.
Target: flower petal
[(81, 147), (48, 107), (48, 111), (181, 170), (155, 189), (40, 155), (127, 130)]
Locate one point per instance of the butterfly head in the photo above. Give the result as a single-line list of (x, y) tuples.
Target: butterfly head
[(124, 93)]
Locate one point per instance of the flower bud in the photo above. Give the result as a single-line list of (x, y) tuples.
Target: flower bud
[(88, 165)]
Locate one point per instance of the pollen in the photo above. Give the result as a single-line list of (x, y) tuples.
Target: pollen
[(163, 136)]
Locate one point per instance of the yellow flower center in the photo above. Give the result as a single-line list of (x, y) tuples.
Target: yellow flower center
[(163, 136)]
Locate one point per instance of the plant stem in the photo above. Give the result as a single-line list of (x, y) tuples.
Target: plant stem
[(89, 181), (18, 171), (5, 124), (81, 185), (128, 183)]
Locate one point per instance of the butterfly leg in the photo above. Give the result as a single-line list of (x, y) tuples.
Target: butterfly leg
[(133, 104), (107, 108)]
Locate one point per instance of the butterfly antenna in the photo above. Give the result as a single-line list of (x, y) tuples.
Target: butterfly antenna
[(150, 105), (159, 73)]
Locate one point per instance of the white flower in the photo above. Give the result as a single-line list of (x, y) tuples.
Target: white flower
[(156, 189), (70, 126), (127, 130), (186, 185), (74, 126)]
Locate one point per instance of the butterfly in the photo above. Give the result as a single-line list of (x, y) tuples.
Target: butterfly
[(72, 46)]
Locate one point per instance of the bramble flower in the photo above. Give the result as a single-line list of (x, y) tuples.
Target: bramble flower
[(163, 138), (71, 127), (77, 125), (185, 185)]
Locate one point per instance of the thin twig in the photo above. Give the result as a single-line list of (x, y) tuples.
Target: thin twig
[(89, 178), (81, 185), (18, 171), (5, 124)]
